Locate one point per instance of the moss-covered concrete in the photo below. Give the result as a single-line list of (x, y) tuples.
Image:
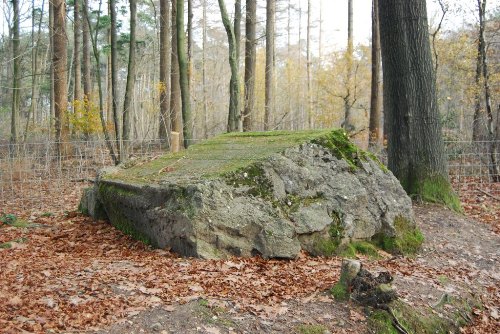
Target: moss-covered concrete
[(233, 152), (116, 213)]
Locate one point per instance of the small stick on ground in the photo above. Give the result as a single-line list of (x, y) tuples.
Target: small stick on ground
[(488, 194)]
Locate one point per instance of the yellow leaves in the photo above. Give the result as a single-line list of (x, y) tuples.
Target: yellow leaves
[(85, 117)]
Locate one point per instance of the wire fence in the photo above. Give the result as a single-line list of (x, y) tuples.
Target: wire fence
[(34, 179)]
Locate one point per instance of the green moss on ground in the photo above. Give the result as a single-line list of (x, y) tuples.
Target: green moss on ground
[(419, 320), (439, 190), (407, 240), (350, 250), (311, 329)]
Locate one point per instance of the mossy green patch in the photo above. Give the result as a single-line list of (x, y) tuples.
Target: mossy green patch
[(439, 190), (216, 156), (311, 329), (381, 323), (419, 320), (9, 244), (406, 241), (340, 291), (338, 143), (254, 177), (119, 220), (349, 250)]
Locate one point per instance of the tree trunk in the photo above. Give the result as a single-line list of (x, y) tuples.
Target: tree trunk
[(165, 57), (234, 86), (86, 63), (480, 121), (77, 69), (52, 96), (114, 79), (348, 117), (308, 67), (269, 81), (183, 75), (35, 90), (190, 42), (376, 133), (16, 75), (107, 138), (129, 88), (204, 70), (175, 97), (416, 150), (59, 60), (250, 60)]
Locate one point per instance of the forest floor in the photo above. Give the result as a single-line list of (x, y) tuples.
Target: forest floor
[(62, 272)]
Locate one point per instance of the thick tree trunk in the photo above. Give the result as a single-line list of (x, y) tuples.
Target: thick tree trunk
[(129, 88), (59, 60), (269, 80), (376, 133), (183, 75), (250, 61), (175, 97), (416, 149), (16, 75), (165, 57), (234, 86)]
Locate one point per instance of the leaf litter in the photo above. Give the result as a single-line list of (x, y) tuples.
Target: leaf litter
[(74, 274)]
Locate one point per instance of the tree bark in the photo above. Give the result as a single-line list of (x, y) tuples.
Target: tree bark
[(165, 57), (175, 97), (95, 49), (269, 80), (250, 61), (415, 145), (77, 69), (86, 63), (16, 76), (234, 86), (308, 67), (114, 79), (375, 126), (59, 60), (183, 75), (204, 70), (348, 117), (129, 88)]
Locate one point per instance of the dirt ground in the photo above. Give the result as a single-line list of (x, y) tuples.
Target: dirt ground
[(64, 273)]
